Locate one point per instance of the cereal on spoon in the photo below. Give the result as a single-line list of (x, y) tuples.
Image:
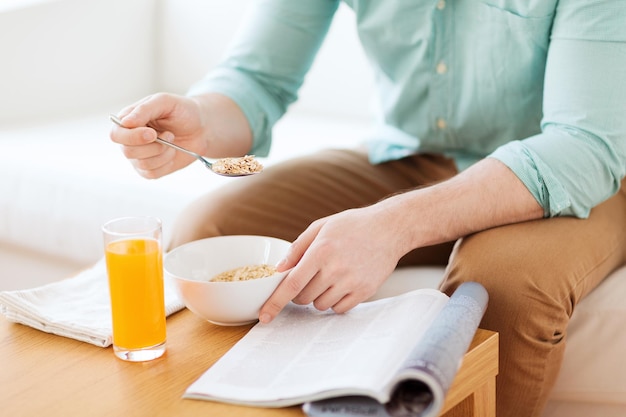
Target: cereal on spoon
[(237, 166)]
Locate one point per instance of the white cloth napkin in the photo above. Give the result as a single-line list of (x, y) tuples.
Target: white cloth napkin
[(77, 307)]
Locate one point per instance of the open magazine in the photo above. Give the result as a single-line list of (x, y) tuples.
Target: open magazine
[(391, 357)]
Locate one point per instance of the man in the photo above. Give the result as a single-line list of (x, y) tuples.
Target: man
[(500, 151)]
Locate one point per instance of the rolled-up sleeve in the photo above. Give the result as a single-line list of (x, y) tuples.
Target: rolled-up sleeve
[(579, 158), (268, 59)]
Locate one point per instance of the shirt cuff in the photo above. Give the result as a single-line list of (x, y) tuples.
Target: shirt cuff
[(259, 110), (540, 180)]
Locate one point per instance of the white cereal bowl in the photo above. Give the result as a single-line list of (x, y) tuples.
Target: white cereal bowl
[(193, 264)]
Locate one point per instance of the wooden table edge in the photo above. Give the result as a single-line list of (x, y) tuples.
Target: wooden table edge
[(478, 371)]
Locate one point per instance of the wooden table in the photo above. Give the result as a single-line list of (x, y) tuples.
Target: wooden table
[(47, 375)]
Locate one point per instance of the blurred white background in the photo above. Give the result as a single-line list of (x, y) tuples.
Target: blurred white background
[(61, 58)]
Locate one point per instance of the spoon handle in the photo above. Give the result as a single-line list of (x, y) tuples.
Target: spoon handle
[(187, 151)]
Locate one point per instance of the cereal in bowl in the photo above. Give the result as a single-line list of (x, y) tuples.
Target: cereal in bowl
[(245, 273)]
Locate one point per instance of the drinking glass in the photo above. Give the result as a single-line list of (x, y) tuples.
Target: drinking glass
[(134, 259)]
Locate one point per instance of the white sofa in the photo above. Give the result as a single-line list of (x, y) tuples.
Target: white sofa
[(67, 64)]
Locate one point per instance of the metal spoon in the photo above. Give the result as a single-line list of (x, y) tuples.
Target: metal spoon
[(200, 158)]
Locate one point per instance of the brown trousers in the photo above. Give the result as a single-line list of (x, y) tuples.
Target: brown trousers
[(535, 272)]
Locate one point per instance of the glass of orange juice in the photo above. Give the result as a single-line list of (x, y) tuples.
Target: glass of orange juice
[(134, 259)]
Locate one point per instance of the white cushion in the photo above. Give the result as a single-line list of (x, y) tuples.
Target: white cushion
[(62, 181), (594, 366)]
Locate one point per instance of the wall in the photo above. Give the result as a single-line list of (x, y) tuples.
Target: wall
[(76, 56), (194, 34), (63, 58)]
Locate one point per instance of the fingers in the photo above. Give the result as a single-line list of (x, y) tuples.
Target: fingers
[(153, 111), (332, 267), (346, 303), (137, 135), (131, 133), (296, 251), (151, 161), (326, 291), (317, 277), (296, 280), (310, 285), (149, 110), (133, 136)]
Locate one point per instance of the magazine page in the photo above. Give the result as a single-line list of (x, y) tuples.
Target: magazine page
[(305, 354), (424, 378)]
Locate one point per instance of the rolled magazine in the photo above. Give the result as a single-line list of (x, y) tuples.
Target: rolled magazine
[(420, 385)]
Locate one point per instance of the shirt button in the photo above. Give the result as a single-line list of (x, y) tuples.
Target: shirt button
[(441, 123), (442, 68), (441, 4)]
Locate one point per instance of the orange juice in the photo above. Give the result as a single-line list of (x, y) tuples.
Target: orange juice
[(135, 269)]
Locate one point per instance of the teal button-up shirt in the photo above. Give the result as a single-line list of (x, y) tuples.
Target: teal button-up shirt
[(538, 84)]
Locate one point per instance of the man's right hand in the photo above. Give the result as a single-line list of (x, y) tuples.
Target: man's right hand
[(191, 122)]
